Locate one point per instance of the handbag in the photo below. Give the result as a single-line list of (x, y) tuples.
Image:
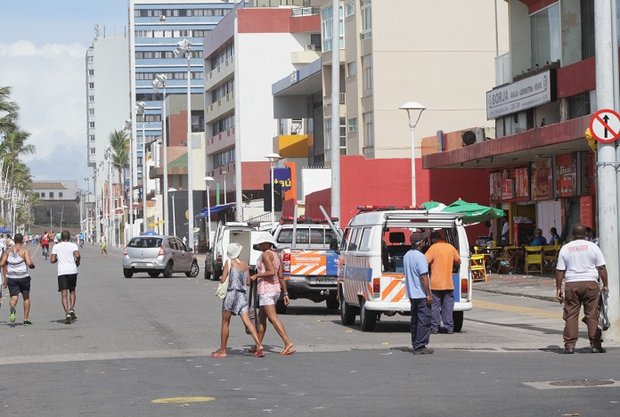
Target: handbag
[(222, 289)]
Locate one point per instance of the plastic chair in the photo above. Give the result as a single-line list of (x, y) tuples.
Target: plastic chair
[(533, 259), (550, 257), (477, 267)]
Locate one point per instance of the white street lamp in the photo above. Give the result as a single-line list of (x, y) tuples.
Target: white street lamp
[(184, 49), (141, 109), (171, 191), (413, 108), (208, 181), (273, 159), (159, 83)]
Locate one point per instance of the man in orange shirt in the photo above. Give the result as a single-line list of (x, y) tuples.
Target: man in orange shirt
[(441, 258)]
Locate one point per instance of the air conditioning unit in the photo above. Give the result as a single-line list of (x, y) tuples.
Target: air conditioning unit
[(472, 136)]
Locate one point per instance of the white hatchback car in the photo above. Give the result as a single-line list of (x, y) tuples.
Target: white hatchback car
[(158, 255)]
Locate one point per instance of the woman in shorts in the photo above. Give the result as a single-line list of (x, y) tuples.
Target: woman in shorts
[(236, 300), (269, 288)]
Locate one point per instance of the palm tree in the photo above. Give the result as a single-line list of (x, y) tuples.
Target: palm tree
[(11, 149), (119, 142), (8, 121)]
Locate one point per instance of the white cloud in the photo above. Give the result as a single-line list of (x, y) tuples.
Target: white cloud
[(48, 83)]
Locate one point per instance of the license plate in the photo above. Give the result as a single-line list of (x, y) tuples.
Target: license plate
[(324, 280), (142, 264)]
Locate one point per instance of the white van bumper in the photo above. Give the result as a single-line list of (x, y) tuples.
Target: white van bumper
[(406, 306)]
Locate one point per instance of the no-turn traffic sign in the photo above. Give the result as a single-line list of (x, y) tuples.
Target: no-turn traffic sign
[(605, 125)]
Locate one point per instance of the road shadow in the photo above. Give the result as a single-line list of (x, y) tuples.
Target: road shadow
[(524, 326)]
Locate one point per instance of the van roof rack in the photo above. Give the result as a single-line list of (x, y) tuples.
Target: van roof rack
[(306, 220), (362, 209)]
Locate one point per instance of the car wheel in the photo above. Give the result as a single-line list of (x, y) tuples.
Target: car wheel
[(457, 318), (168, 270), (347, 312), (368, 319), (154, 274), (332, 303), (281, 307), (193, 271), (128, 273)]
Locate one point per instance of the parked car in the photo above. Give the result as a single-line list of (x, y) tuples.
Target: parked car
[(158, 255), (225, 234)]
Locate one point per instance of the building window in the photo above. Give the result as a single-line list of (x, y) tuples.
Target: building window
[(91, 72), (343, 136), (51, 194), (352, 125), (350, 9), (326, 28), (579, 105), (367, 65), (545, 35), (351, 69), (42, 195), (91, 125), (587, 28), (365, 10), (60, 194), (369, 134)]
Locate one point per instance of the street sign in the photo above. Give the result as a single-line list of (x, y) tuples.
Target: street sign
[(605, 126)]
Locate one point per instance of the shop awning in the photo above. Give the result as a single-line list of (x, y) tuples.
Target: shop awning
[(215, 209)]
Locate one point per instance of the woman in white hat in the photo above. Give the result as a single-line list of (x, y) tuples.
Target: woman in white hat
[(236, 300), (269, 288)]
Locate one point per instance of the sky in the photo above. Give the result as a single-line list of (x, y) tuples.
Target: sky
[(42, 52)]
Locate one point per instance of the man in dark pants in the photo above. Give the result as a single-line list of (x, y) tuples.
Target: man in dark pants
[(419, 293), (580, 263)]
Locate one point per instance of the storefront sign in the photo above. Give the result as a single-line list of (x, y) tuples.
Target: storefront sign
[(495, 184), (521, 95), (542, 180), (510, 184), (566, 175), (282, 176)]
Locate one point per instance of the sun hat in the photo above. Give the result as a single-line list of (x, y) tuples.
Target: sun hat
[(234, 250), (265, 237)]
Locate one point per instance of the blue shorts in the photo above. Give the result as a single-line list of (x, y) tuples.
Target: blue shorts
[(67, 282), (19, 285)]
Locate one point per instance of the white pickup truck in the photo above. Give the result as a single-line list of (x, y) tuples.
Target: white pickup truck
[(309, 262)]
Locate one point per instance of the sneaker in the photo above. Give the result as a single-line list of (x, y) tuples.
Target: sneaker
[(12, 317), (423, 351), (72, 314), (27, 323), (68, 319)]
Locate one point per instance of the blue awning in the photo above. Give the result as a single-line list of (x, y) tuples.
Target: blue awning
[(215, 209)]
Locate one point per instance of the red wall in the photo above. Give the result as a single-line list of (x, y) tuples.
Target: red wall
[(386, 182)]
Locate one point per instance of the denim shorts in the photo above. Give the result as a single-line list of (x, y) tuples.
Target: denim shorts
[(19, 285), (268, 299)]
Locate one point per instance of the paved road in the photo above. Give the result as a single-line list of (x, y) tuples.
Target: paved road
[(142, 339)]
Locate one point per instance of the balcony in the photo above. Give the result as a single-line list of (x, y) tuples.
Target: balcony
[(327, 100), (220, 107), (219, 73)]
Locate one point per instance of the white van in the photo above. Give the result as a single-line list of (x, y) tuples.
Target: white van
[(225, 234), (371, 278)]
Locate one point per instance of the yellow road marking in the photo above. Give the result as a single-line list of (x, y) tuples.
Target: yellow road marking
[(183, 400), (529, 311)]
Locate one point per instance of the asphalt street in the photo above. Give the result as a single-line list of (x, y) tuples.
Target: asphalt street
[(141, 346)]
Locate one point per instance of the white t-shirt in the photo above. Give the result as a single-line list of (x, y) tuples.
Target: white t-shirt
[(64, 254), (579, 259)]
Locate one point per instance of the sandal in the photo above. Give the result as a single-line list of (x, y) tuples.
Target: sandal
[(288, 350), (259, 353), (219, 355)]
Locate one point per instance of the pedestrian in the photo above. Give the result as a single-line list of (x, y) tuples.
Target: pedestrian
[(236, 300), (442, 257), (102, 246), (580, 264), (67, 255), (419, 293), (270, 286), (15, 263), (554, 239), (45, 244)]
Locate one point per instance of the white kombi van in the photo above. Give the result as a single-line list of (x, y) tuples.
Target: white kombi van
[(371, 278)]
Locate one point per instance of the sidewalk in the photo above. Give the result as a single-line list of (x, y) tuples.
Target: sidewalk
[(541, 287)]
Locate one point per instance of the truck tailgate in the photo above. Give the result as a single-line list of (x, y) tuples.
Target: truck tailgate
[(310, 263)]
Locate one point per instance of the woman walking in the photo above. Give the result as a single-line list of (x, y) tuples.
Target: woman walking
[(270, 286), (15, 263), (236, 300)]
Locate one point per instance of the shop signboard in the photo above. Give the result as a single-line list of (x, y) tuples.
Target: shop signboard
[(566, 175), (510, 184), (495, 182), (520, 95), (542, 180)]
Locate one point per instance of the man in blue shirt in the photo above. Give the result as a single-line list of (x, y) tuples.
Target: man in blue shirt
[(419, 293), (539, 239)]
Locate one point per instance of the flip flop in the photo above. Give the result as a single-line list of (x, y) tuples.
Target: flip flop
[(218, 355), (259, 353), (288, 351)]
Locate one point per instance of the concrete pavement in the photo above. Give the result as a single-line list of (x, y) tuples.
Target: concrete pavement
[(541, 287)]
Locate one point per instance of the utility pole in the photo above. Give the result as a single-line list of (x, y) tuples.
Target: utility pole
[(607, 190)]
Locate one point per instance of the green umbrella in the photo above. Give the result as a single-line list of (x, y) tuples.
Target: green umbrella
[(429, 205), (474, 212)]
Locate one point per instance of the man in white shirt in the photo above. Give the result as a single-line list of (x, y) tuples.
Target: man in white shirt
[(580, 263), (67, 254)]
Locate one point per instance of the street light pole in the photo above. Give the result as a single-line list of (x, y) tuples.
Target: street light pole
[(141, 109), (413, 107), (208, 181), (171, 191), (159, 83), (110, 200), (132, 156), (184, 48), (273, 159)]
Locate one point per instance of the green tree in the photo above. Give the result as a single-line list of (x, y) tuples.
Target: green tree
[(119, 142), (9, 111)]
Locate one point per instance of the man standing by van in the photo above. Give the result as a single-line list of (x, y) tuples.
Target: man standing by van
[(419, 293), (441, 258)]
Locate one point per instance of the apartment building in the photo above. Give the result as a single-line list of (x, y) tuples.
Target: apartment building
[(541, 168), (249, 50)]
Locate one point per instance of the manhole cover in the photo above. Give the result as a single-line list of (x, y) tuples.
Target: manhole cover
[(582, 382)]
